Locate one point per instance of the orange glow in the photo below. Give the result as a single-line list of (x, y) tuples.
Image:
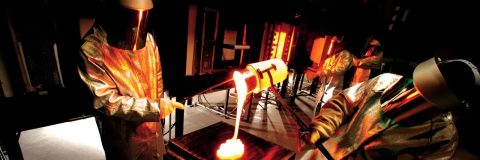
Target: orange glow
[(274, 46), (275, 38), (140, 16), (232, 149), (281, 45), (278, 45), (274, 51), (290, 46), (317, 50), (241, 87), (279, 74), (244, 84), (413, 95), (330, 47)]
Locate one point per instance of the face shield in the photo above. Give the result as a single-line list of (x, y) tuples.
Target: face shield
[(126, 24), (437, 86)]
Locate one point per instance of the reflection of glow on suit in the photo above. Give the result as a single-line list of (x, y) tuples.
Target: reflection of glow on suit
[(127, 86), (121, 66), (367, 133), (372, 59), (332, 75), (393, 117)]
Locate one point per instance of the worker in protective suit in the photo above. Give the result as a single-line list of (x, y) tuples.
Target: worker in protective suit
[(372, 59), (394, 117), (331, 73), (121, 66)]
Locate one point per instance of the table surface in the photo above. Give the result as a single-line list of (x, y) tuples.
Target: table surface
[(203, 144)]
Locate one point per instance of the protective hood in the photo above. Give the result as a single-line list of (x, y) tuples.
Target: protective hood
[(431, 84), (126, 24)]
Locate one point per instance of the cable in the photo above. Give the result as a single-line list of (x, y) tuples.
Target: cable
[(207, 104), (170, 129)]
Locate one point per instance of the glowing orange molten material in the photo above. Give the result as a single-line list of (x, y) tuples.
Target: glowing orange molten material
[(232, 149), (273, 71), (241, 87)]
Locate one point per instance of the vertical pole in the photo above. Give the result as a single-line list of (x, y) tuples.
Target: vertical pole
[(301, 80), (179, 121), (266, 99), (283, 90), (314, 86), (250, 106), (225, 106), (296, 84), (169, 126), (20, 57)]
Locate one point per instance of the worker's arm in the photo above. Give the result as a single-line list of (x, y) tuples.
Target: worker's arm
[(331, 116), (342, 64), (106, 94)]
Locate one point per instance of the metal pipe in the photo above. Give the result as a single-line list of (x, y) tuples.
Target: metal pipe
[(301, 125), (208, 89)]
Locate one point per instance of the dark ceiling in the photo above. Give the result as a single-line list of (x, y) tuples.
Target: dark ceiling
[(420, 28)]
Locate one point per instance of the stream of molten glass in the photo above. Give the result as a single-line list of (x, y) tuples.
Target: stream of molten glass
[(234, 148)]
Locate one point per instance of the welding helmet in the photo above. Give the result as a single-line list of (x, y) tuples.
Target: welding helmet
[(437, 86), (446, 83), (125, 22)]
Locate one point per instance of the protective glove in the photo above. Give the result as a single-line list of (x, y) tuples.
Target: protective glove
[(313, 73), (168, 106), (310, 137)]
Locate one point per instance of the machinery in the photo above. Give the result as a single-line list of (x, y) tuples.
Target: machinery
[(255, 78)]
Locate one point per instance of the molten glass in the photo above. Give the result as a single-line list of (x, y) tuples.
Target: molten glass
[(241, 86), (256, 77), (232, 149)]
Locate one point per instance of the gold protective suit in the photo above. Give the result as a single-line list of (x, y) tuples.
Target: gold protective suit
[(127, 87), (332, 73), (355, 128), (372, 59)]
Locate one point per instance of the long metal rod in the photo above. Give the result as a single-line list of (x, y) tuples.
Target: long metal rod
[(225, 107), (57, 62), (289, 110), (208, 89), (20, 57), (299, 122)]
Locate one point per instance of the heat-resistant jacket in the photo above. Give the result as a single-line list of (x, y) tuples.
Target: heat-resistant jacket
[(127, 87), (356, 128)]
